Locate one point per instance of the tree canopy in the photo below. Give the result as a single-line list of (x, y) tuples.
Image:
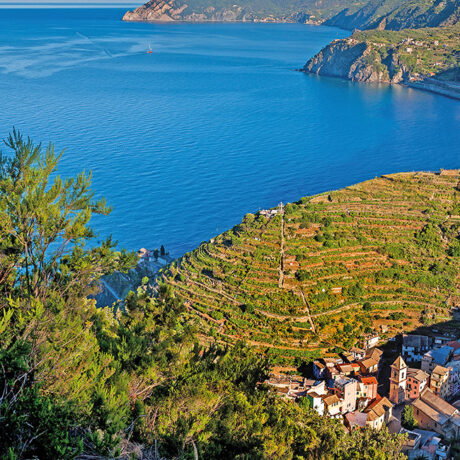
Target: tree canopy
[(134, 381)]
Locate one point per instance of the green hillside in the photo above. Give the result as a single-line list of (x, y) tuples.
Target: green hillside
[(425, 52), (80, 382), (398, 14), (328, 268)]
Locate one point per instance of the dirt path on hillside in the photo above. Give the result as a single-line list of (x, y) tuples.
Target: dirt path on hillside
[(282, 249), (300, 319), (307, 309)]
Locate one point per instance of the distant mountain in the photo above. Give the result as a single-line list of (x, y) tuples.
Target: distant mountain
[(398, 14), (303, 11)]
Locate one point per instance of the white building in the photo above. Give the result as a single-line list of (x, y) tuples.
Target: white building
[(454, 377)]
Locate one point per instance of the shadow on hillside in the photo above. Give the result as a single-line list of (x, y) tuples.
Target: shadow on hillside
[(443, 331)]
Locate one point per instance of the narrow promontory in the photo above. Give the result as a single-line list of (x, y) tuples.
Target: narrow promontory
[(428, 58)]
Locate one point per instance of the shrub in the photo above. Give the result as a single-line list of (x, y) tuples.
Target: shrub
[(408, 420), (303, 275)]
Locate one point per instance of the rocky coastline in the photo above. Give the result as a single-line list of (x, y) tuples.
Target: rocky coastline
[(372, 61)]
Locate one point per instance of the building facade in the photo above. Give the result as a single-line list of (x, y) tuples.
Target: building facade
[(398, 380), (439, 381)]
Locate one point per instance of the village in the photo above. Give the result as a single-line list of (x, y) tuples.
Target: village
[(417, 393)]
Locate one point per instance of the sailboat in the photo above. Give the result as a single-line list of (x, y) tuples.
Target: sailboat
[(150, 50)]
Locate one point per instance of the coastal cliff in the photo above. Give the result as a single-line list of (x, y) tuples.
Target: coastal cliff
[(415, 57), (354, 60), (176, 10), (360, 60)]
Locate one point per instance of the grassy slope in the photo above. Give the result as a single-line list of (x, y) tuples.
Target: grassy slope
[(363, 245), (425, 58)]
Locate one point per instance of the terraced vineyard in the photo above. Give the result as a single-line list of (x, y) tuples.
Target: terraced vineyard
[(380, 255)]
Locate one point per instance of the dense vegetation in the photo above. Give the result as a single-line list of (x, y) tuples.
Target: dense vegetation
[(398, 14), (136, 382), (382, 255)]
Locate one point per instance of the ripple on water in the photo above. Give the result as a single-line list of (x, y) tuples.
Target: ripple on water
[(212, 125)]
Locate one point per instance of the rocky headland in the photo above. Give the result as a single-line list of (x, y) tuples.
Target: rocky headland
[(426, 58)]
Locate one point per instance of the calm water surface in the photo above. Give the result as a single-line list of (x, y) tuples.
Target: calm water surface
[(212, 125)]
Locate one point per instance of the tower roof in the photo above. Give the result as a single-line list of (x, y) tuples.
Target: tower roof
[(399, 363)]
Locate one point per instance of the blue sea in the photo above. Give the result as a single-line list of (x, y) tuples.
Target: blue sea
[(214, 123)]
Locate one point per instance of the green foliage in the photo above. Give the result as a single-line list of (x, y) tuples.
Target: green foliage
[(408, 420), (44, 226), (303, 275), (355, 291), (33, 426), (429, 238), (76, 380)]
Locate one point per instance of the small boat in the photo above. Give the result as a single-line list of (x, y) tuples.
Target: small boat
[(150, 50)]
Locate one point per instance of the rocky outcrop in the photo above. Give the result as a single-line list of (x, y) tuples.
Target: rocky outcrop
[(177, 10), (357, 61), (374, 62)]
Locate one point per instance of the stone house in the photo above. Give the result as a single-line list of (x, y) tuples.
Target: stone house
[(374, 353), (316, 402), (357, 353), (349, 369), (355, 420), (319, 369), (369, 366), (369, 341), (321, 366)]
